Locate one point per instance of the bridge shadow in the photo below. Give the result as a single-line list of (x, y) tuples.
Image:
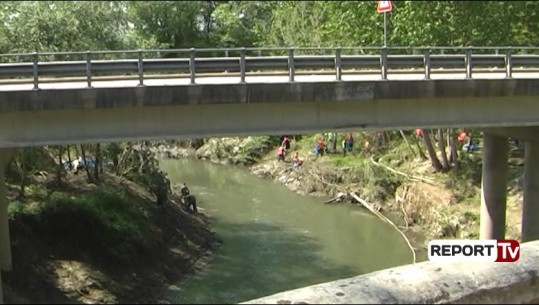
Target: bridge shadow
[(259, 259)]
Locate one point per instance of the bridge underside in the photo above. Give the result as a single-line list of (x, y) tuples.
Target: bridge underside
[(86, 125)]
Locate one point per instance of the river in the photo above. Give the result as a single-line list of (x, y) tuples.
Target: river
[(275, 240)]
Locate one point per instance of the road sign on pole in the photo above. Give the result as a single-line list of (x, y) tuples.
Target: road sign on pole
[(384, 6)]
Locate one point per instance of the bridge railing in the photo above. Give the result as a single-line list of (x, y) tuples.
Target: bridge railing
[(92, 66)]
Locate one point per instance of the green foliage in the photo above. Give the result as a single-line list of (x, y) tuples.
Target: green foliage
[(106, 223), (85, 25), (175, 24), (241, 23), (466, 178), (15, 208), (62, 25), (256, 147)]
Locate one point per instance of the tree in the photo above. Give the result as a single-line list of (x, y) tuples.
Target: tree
[(28, 160), (43, 26), (453, 156), (174, 24), (443, 152), (241, 23), (430, 149)]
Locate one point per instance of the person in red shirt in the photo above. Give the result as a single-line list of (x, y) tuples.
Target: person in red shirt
[(286, 142), (281, 152), (348, 143), (380, 138), (462, 136), (418, 133)]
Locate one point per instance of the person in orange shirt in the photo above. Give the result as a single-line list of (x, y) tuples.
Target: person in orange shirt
[(320, 147)]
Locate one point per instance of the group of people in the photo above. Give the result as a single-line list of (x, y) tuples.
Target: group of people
[(321, 148), (347, 144), (283, 148)]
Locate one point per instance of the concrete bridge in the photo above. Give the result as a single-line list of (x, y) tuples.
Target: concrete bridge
[(46, 101)]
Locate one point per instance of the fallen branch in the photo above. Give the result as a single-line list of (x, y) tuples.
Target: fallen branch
[(406, 189), (411, 177), (331, 200), (339, 198), (381, 216)]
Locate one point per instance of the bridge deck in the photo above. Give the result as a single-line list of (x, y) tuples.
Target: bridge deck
[(121, 81)]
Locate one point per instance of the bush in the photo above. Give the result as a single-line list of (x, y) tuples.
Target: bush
[(107, 223)]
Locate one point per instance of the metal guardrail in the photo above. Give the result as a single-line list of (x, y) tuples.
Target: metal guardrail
[(191, 63)]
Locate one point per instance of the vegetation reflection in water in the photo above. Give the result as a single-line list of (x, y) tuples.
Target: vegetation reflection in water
[(275, 240)]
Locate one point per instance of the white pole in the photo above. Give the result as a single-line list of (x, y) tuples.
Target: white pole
[(385, 29)]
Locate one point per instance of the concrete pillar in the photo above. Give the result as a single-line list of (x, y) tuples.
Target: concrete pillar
[(494, 186), (530, 207), (5, 242)]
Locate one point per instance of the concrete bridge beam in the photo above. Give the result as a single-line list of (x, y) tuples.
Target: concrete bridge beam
[(530, 208), (494, 186), (523, 133)]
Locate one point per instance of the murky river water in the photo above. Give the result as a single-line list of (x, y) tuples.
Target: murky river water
[(276, 240)]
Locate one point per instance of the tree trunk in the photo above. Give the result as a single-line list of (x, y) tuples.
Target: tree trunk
[(441, 146), (83, 152), (69, 157), (60, 165), (408, 143), (432, 153), (453, 156), (421, 152), (97, 161), (22, 189), (77, 152)]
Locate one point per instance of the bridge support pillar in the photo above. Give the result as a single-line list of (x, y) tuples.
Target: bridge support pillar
[(5, 242), (530, 207), (494, 186)]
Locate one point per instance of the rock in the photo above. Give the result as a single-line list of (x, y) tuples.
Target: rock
[(204, 152)]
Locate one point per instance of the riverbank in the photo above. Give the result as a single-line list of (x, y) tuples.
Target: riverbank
[(100, 243), (424, 204)]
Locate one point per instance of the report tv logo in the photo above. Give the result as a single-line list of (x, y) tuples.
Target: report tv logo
[(458, 250)]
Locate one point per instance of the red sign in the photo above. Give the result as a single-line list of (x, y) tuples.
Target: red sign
[(384, 6)]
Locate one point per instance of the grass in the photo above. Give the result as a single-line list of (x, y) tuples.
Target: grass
[(107, 223)]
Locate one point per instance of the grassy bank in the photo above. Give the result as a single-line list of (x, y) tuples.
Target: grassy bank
[(104, 243)]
